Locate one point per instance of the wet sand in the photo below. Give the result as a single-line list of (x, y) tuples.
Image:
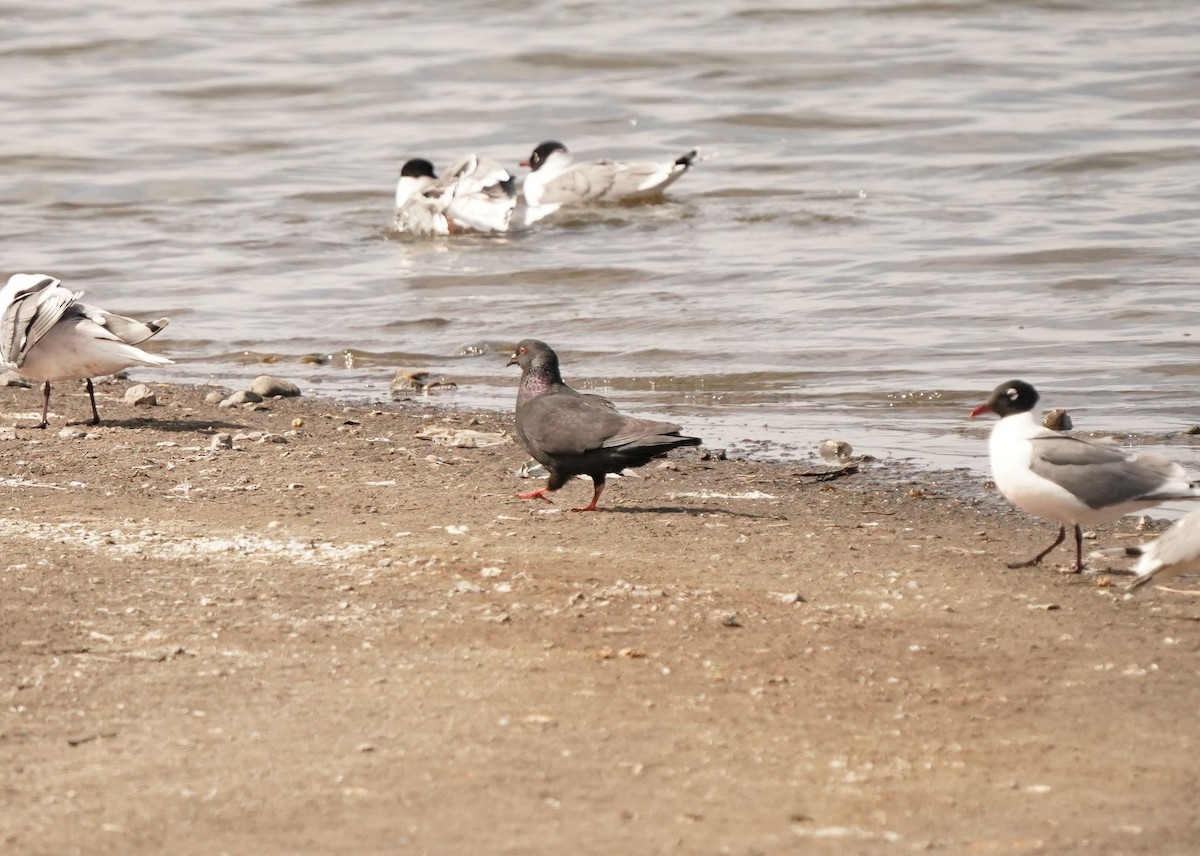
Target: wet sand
[(341, 636)]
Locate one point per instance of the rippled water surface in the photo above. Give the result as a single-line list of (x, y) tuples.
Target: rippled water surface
[(901, 204)]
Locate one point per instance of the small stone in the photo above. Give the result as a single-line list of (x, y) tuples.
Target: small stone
[(221, 441), (793, 597), (407, 381), (268, 437), (70, 433), (725, 619), (14, 379), (1058, 420), (714, 455), (836, 450), (140, 395), (214, 397), (268, 387), (242, 396), (8, 432)]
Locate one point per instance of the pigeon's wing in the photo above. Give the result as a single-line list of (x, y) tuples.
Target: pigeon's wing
[(1103, 475), (568, 424), (643, 432), (34, 308)]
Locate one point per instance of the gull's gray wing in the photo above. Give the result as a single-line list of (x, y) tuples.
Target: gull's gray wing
[(1103, 475)]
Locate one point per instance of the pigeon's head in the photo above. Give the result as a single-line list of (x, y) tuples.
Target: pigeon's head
[(1016, 396), (542, 153), (536, 356)]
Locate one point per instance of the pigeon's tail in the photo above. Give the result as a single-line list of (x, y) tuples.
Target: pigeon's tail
[(686, 160)]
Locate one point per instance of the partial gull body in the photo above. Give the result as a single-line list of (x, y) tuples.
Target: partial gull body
[(47, 335), (475, 195), (558, 181), (1067, 479), (1175, 552), (572, 433)]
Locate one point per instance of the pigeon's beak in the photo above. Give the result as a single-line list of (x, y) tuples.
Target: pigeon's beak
[(980, 410), (512, 361), (524, 164)]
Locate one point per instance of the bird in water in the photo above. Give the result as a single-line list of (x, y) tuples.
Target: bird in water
[(558, 181), (475, 195)]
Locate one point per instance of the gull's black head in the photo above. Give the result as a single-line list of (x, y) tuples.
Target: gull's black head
[(1016, 396), (542, 152), (417, 168)]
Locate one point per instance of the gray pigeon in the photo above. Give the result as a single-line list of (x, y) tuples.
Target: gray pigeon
[(572, 433)]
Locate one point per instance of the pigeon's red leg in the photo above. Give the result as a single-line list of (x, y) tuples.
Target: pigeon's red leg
[(540, 493), (591, 506), (92, 395)]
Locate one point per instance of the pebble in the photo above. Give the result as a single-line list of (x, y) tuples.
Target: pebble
[(8, 432), (269, 386), (215, 397), (242, 396), (407, 381), (221, 441), (836, 450), (140, 395), (1058, 420), (70, 433)]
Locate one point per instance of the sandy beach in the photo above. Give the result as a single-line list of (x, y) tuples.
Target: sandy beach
[(344, 635)]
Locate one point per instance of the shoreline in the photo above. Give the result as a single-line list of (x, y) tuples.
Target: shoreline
[(340, 634)]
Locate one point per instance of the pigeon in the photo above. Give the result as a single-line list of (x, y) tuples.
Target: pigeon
[(572, 433), (1069, 480), (1175, 552), (47, 334), (475, 195), (557, 181)]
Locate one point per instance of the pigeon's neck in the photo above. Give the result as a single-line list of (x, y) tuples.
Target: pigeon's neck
[(536, 382)]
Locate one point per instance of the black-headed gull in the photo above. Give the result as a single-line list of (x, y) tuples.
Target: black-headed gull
[(475, 195), (47, 334), (1175, 552), (557, 180), (1069, 480)]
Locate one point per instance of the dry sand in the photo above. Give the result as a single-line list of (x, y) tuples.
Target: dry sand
[(357, 641)]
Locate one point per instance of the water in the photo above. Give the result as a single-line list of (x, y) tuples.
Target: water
[(901, 205)]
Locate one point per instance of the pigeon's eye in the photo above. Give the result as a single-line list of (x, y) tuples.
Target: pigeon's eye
[(524, 351), (1012, 393)]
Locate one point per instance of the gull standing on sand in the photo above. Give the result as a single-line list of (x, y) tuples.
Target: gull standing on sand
[(46, 334), (557, 180), (1069, 480), (475, 195)]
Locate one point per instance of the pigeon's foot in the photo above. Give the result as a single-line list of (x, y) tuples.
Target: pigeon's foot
[(540, 493), (591, 506)]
